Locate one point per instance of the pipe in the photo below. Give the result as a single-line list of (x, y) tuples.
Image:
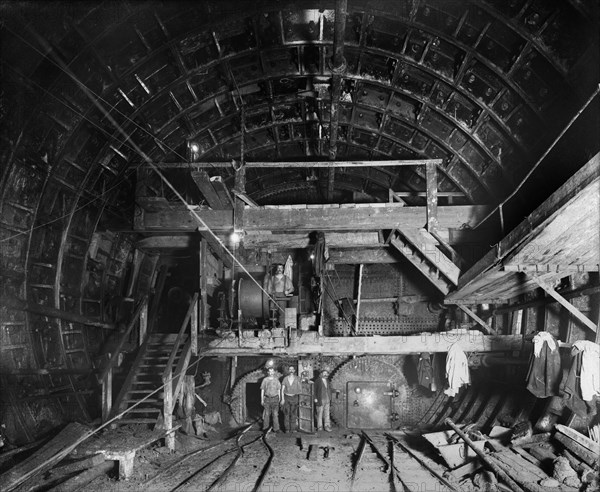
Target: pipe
[(509, 481)]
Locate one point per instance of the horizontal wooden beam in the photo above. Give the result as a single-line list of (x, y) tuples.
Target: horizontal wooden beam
[(363, 255), (325, 164), (167, 242), (311, 343), (423, 194), (330, 218), (340, 240), (51, 312)]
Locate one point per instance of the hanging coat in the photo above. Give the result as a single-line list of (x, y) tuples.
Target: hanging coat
[(543, 377), (457, 370), (425, 370), (570, 389), (589, 376)]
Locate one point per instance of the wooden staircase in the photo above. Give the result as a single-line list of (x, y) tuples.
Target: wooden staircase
[(144, 378), (425, 252)]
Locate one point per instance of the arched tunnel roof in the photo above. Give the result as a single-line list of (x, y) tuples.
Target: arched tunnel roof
[(93, 91)]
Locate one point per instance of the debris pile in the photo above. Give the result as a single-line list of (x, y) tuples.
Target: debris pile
[(516, 459)]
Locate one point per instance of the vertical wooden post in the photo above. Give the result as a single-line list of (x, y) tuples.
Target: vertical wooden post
[(233, 376), (360, 272), (194, 328), (187, 400), (167, 411), (143, 323), (432, 199), (107, 394), (203, 285)]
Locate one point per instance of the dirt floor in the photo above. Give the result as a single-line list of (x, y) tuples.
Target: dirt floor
[(326, 467), (301, 462)]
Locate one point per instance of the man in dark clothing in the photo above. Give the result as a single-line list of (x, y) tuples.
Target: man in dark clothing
[(270, 389), (323, 392), (290, 395)]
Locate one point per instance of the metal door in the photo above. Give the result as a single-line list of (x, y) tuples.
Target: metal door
[(306, 420), (369, 405)]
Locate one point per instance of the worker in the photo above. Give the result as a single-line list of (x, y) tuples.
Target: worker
[(322, 395), (290, 396), (280, 284), (270, 389)]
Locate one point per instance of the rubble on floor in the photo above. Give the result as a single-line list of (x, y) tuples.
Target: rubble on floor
[(563, 461)]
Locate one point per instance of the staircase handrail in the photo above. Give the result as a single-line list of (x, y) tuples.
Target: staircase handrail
[(169, 369), (180, 370), (115, 355)]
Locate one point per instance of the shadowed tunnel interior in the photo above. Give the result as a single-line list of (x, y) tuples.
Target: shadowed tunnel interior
[(96, 96)]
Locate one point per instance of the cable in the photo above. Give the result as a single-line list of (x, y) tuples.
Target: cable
[(539, 161)]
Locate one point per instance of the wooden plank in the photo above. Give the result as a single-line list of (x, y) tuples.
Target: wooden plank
[(294, 164), (43, 459), (80, 481), (167, 242), (202, 180), (564, 303), (203, 287), (222, 191), (266, 239), (432, 197), (577, 449), (390, 216), (57, 313), (488, 329), (578, 437), (79, 465), (245, 198)]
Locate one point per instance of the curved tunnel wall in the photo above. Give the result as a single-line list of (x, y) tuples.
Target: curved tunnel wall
[(446, 88)]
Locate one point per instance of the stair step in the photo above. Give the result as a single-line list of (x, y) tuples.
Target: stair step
[(147, 400), (144, 410), (136, 421), (406, 250)]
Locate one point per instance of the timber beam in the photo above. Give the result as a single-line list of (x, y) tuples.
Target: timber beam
[(295, 164), (564, 303), (310, 218), (474, 316), (311, 343)]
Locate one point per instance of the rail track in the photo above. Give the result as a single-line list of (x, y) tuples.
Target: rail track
[(214, 467), (383, 462)]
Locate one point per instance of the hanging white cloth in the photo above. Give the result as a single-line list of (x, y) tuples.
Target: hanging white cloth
[(590, 368), (538, 342), (287, 270), (457, 369)]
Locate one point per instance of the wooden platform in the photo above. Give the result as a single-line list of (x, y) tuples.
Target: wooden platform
[(559, 238), (121, 445)]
